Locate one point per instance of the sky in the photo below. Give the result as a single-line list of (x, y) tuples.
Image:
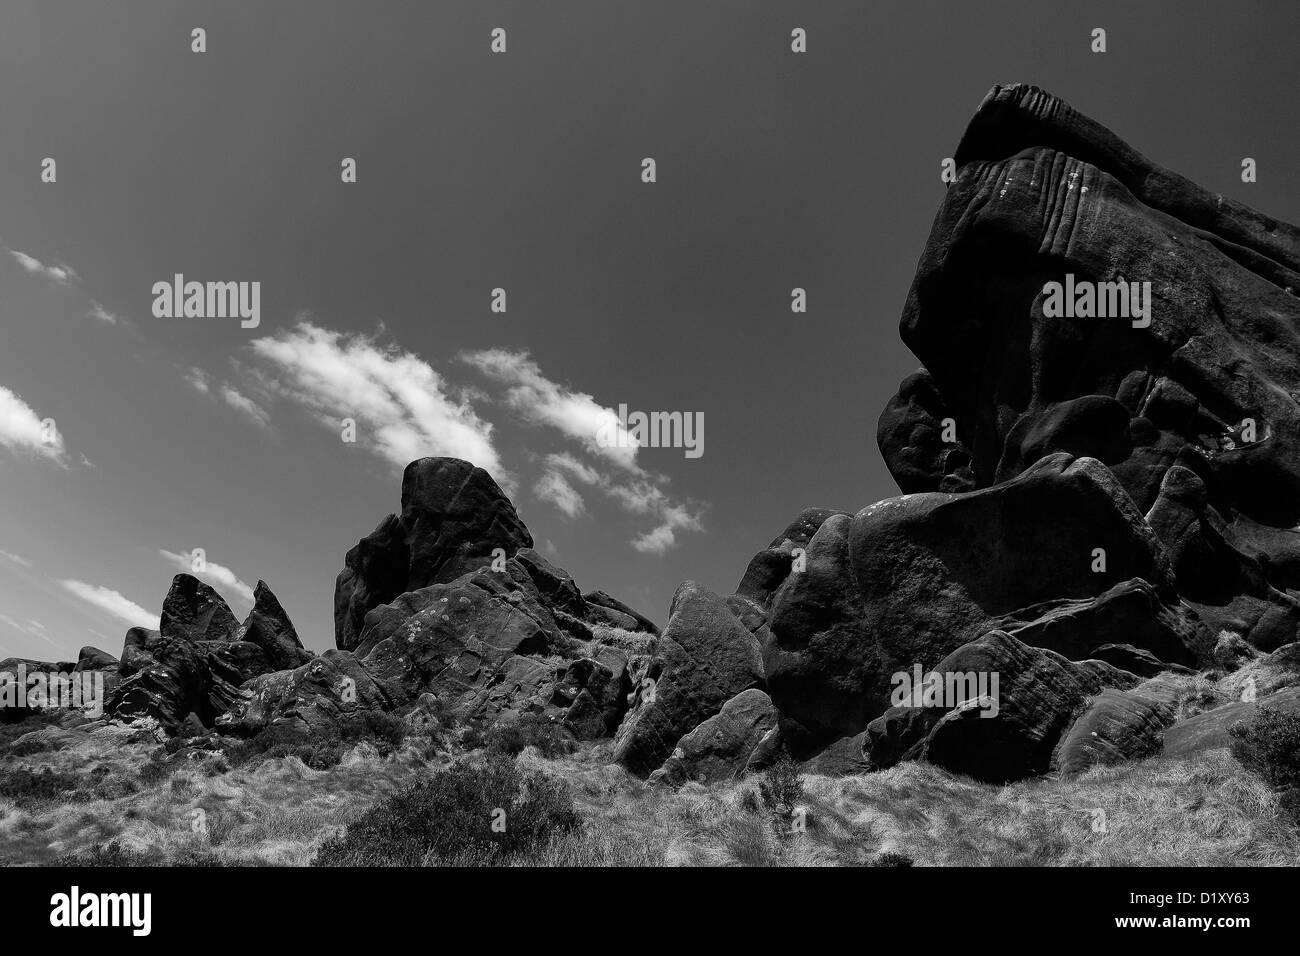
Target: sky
[(129, 439)]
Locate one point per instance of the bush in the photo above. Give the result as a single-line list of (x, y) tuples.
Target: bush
[(478, 812), (26, 787), (319, 751), (114, 854), (780, 791), (893, 859), (510, 737), (11, 730), (1269, 745)]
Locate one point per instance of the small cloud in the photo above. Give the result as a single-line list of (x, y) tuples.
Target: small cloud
[(403, 408), (555, 488), (205, 384), (59, 274), (198, 380), (97, 311), (640, 496), (17, 559), (22, 430), (106, 599), (540, 401), (215, 574), (246, 406), (32, 629)]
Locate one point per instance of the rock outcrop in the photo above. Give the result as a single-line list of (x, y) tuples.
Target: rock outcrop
[(449, 601), (193, 667), (1094, 490), (1193, 407)]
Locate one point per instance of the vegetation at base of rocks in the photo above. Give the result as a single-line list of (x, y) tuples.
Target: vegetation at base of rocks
[(115, 854), (26, 787), (509, 738), (893, 859), (471, 812), (779, 791), (33, 720), (1269, 745), (320, 751)]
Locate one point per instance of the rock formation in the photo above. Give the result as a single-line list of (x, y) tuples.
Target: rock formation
[(1101, 495), (1093, 496), (449, 599)]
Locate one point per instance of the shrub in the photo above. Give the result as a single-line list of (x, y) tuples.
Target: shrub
[(319, 751), (114, 854), (156, 769), (470, 812), (510, 737), (383, 729), (11, 730), (1269, 745), (780, 791), (26, 787), (893, 859)]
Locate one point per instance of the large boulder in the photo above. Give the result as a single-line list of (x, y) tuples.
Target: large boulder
[(193, 611), (1193, 407), (720, 748), (195, 665), (908, 580), (771, 566), (1210, 730), (454, 517), (1118, 725), (269, 627), (603, 608), (1232, 574), (165, 678), (704, 657), (313, 697), (999, 709), (479, 643)]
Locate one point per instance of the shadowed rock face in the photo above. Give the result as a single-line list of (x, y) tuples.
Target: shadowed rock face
[(453, 517), (1212, 384), (425, 610), (1083, 485), (907, 580), (194, 667)]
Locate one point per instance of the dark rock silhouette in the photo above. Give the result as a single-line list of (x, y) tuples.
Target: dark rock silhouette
[(195, 665), (1209, 387), (704, 657), (450, 601), (454, 516)]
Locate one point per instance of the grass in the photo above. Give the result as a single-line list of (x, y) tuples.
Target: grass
[(472, 812), (112, 795)]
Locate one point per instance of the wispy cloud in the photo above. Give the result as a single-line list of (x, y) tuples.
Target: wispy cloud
[(554, 487), (205, 384), (112, 602), (97, 311), (540, 401), (60, 274), (403, 409), (17, 559), (636, 495), (218, 575), (22, 430), (31, 628), (198, 380), (246, 406)]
